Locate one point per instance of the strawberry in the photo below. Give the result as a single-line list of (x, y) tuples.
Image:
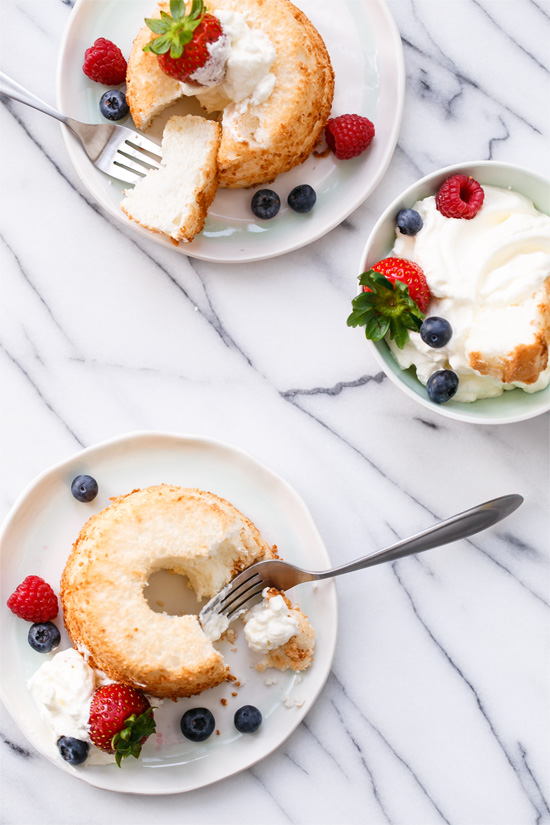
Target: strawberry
[(121, 719), (181, 47), (394, 299)]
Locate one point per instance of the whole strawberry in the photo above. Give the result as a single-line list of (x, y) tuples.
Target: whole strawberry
[(460, 196), (394, 299), (348, 135), (121, 719), (34, 600), (182, 44), (104, 63)]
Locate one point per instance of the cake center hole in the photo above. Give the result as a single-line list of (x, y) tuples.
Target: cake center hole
[(170, 593)]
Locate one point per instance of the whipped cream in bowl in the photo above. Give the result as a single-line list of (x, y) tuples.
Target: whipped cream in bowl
[(488, 277)]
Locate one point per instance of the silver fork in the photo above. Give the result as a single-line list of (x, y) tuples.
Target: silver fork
[(116, 150), (245, 590)]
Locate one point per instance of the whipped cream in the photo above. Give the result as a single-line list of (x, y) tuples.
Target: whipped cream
[(62, 688), (215, 626), (237, 74), (269, 624), (486, 276)]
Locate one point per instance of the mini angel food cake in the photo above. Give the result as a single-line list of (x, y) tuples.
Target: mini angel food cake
[(186, 531), (273, 93)]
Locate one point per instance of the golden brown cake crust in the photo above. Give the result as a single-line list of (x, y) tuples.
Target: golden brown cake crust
[(525, 362), (106, 614), (291, 120)]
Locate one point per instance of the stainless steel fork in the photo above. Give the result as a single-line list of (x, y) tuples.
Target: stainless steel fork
[(245, 590), (116, 150)]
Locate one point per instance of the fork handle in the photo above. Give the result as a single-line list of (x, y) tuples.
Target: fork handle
[(457, 527), (10, 88)]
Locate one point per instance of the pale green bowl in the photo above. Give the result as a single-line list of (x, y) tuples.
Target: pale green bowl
[(513, 405)]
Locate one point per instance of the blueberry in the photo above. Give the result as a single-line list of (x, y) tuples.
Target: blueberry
[(74, 751), (197, 724), (84, 488), (442, 385), (248, 719), (265, 204), (44, 637), (113, 105), (302, 198), (436, 332), (409, 222)]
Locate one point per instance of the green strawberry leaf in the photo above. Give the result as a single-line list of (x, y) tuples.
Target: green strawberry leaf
[(160, 45), (174, 31), (387, 308), (177, 9), (128, 741), (159, 26), (377, 327)]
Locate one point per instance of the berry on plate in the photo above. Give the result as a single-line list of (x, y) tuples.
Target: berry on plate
[(409, 222), (74, 751), (247, 719), (302, 198), (348, 135), (459, 196), (121, 719), (34, 600), (197, 724), (394, 299), (265, 204), (436, 332), (113, 105), (44, 637), (182, 43), (84, 488), (442, 385), (104, 63)]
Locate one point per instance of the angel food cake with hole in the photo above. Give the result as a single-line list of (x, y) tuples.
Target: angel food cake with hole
[(269, 78), (489, 277), (190, 532)]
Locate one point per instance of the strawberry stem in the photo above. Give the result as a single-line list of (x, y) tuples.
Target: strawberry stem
[(128, 741), (174, 31), (385, 308)]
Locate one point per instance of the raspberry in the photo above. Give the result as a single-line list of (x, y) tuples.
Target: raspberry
[(34, 601), (459, 197), (104, 63), (348, 135)]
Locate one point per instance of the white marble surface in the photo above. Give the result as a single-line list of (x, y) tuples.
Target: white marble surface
[(437, 708)]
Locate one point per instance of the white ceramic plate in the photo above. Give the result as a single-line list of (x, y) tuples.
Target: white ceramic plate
[(367, 56), (37, 537)]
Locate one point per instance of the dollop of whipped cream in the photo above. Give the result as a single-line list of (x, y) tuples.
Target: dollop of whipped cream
[(269, 624), (62, 689), (487, 278), (238, 70)]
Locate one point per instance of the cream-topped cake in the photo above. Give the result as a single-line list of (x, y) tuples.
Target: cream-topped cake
[(273, 100)]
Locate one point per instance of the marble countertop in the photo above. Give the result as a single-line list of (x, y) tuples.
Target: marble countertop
[(437, 706)]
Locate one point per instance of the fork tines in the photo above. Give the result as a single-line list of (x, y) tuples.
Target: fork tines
[(135, 157), (241, 595)]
